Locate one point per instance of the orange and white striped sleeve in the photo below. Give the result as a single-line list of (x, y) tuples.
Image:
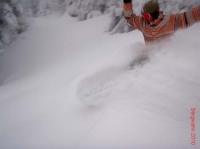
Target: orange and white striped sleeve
[(131, 18), (186, 19)]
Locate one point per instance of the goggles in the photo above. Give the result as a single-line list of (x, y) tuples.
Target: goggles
[(146, 16)]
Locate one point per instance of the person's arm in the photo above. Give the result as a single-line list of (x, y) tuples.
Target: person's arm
[(131, 18), (186, 19)]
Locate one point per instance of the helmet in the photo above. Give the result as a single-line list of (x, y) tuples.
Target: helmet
[(151, 7)]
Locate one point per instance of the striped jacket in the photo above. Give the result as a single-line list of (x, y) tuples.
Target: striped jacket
[(164, 26)]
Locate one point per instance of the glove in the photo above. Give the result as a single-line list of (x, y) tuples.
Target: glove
[(127, 1)]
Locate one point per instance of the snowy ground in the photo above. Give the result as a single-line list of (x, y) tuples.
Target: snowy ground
[(68, 86)]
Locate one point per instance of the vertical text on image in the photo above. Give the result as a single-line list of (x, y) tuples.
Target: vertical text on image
[(193, 126)]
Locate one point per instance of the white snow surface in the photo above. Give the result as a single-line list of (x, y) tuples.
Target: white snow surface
[(69, 87)]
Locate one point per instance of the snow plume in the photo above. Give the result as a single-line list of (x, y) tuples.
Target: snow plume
[(171, 70)]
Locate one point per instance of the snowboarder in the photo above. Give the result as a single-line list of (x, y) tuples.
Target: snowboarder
[(156, 26)]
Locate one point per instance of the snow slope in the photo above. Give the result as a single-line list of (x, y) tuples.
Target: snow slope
[(68, 86)]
